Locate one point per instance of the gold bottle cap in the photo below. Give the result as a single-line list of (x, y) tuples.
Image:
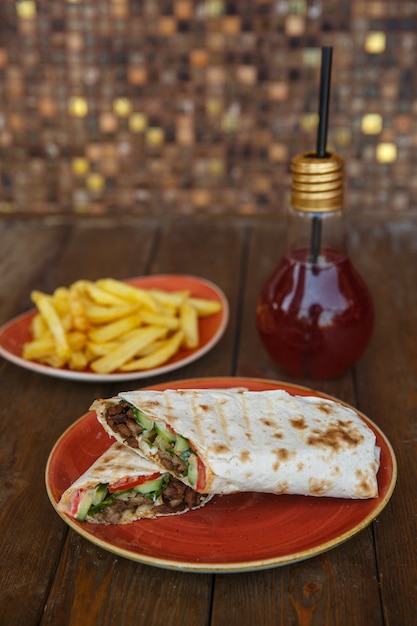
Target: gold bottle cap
[(317, 183)]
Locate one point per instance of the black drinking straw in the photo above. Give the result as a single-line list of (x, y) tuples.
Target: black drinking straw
[(326, 67)]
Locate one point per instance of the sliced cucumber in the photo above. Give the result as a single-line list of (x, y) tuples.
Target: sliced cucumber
[(192, 474), (142, 419), (85, 503), (162, 430), (148, 436), (151, 485), (100, 494), (162, 443), (181, 445)]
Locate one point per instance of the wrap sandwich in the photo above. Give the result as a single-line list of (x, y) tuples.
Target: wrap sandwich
[(121, 487), (225, 441)]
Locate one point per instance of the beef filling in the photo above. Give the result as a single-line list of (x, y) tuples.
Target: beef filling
[(172, 462), (176, 497), (121, 419)]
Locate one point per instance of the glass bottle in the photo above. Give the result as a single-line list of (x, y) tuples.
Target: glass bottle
[(315, 313)]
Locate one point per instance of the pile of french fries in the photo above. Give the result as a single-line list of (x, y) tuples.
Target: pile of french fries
[(109, 325)]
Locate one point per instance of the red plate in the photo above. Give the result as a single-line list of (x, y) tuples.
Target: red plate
[(14, 334), (237, 533)]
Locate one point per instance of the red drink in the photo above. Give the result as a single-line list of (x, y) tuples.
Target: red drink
[(315, 320)]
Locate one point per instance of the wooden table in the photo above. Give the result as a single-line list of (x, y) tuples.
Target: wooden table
[(51, 575)]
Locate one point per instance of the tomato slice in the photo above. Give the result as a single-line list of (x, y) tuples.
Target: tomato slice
[(201, 479), (75, 502), (132, 481)]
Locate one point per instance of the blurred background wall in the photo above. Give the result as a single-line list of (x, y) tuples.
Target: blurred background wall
[(182, 106)]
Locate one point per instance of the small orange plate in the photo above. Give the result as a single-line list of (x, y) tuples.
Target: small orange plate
[(16, 332)]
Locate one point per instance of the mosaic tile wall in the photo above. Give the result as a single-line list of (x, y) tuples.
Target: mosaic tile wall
[(154, 106)]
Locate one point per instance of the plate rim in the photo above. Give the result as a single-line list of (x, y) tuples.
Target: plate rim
[(232, 566), (83, 376)]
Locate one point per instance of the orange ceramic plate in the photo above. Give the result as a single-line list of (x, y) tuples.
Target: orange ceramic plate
[(14, 334), (237, 533)]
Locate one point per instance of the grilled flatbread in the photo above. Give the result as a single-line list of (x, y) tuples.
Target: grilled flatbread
[(122, 487), (225, 441)]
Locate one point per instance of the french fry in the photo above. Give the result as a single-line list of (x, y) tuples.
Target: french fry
[(126, 350), (44, 347), (38, 326), (101, 314), (101, 296), (46, 308), (110, 331), (155, 359), (152, 347), (55, 361), (78, 312), (172, 299), (39, 348), (61, 293), (96, 349), (80, 286), (205, 307), (189, 325), (128, 292), (168, 321), (60, 303), (78, 361), (77, 340)]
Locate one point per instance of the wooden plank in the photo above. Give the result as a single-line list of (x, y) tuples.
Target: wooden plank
[(211, 249), (34, 411), (28, 249), (317, 591), (102, 248), (37, 410), (387, 393), (324, 590), (149, 594), (95, 587)]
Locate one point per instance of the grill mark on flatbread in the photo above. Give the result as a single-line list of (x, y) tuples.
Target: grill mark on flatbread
[(336, 436), (325, 407), (282, 455), (169, 410), (267, 422), (246, 419), (245, 456), (298, 423), (223, 421), (270, 421), (272, 415), (116, 467), (319, 487), (219, 448), (197, 423), (281, 487), (364, 487), (150, 405)]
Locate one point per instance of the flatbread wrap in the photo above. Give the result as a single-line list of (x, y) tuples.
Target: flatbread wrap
[(122, 487), (225, 441)]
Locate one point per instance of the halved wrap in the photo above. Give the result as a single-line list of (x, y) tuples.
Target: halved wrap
[(224, 441), (121, 487)]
